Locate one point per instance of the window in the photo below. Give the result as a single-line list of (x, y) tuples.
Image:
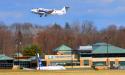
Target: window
[(100, 63), (86, 62), (122, 63)]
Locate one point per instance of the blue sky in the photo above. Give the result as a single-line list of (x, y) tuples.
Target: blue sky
[(101, 12)]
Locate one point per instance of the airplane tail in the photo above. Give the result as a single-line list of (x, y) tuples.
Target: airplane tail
[(39, 61), (65, 9)]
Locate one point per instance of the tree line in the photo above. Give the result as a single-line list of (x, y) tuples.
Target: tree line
[(18, 36)]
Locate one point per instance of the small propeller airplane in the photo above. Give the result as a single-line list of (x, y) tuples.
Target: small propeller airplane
[(46, 12), (40, 67)]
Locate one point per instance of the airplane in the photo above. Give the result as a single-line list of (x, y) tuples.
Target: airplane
[(41, 67), (46, 12)]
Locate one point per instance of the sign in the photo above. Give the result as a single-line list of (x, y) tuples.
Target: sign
[(59, 57)]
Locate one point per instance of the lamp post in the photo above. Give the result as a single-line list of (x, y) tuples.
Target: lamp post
[(107, 51), (18, 42), (72, 58), (19, 47), (107, 55)]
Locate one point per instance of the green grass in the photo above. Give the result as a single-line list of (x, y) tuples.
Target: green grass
[(67, 72)]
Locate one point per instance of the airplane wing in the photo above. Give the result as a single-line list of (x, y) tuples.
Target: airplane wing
[(50, 11), (45, 12)]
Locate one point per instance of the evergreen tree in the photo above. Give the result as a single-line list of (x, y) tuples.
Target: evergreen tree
[(32, 50)]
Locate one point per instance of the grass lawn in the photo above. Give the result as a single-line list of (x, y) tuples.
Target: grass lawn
[(68, 72)]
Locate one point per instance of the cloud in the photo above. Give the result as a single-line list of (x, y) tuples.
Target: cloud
[(13, 14), (108, 11)]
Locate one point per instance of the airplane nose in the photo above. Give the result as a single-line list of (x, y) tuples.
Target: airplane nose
[(33, 10)]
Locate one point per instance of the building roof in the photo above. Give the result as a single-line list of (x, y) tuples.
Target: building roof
[(18, 54), (63, 48), (106, 48), (3, 57), (34, 58), (27, 59), (85, 48), (22, 60)]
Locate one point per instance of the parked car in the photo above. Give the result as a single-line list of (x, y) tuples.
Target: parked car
[(100, 66), (121, 67), (114, 66)]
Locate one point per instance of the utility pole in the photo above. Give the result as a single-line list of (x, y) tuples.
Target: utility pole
[(107, 55), (18, 42), (72, 58), (107, 38)]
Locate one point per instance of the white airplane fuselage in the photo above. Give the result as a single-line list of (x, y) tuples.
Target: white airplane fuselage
[(58, 12), (40, 67), (45, 12), (51, 68)]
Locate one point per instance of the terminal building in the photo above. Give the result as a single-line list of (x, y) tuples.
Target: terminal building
[(87, 56), (82, 57), (64, 56)]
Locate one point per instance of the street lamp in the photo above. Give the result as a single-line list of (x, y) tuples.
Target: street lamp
[(107, 60), (19, 43), (72, 58), (107, 56)]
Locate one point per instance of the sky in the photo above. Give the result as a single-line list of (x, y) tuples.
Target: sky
[(101, 12)]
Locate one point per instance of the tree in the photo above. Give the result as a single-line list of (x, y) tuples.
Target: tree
[(67, 26), (51, 36), (31, 50)]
